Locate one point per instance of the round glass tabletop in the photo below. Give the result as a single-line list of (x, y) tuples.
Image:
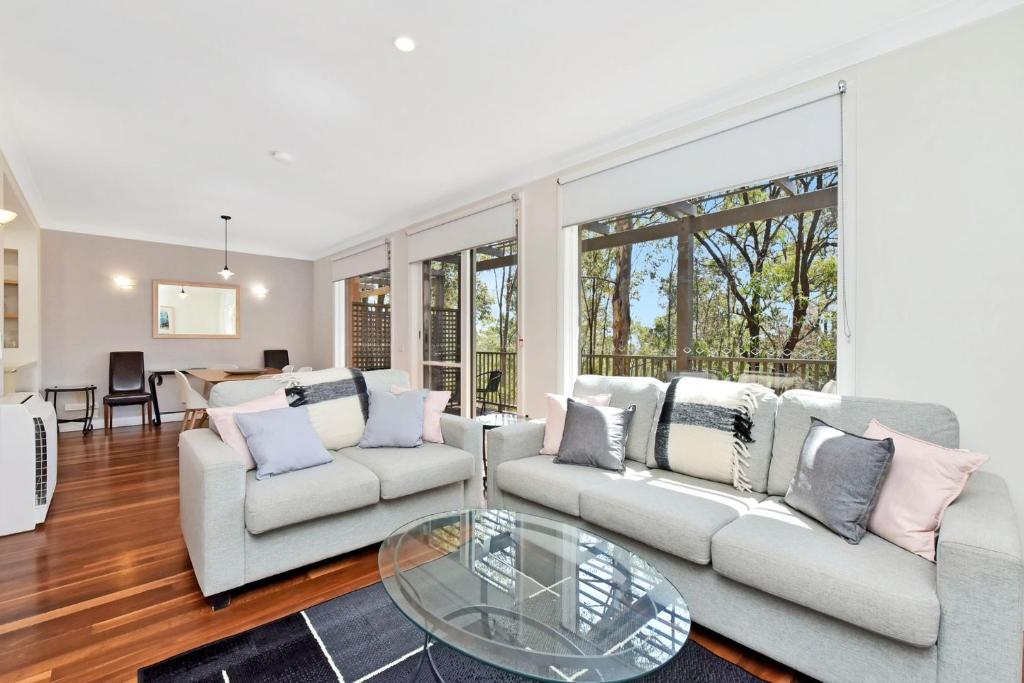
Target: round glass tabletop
[(534, 596)]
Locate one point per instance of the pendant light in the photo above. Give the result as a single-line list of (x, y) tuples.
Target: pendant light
[(226, 273), (182, 293)]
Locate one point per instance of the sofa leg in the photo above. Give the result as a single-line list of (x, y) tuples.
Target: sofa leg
[(219, 601)]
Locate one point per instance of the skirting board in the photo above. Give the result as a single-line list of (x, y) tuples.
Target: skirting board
[(119, 421)]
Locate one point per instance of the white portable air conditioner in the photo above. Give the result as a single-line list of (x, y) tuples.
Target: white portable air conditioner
[(28, 461)]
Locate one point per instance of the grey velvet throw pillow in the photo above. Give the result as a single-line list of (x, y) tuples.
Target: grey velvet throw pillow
[(281, 440), (839, 477), (595, 436), (396, 420)]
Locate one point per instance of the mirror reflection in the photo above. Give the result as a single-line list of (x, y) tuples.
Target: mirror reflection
[(194, 310)]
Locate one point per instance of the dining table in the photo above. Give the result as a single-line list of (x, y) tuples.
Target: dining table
[(209, 377), (212, 376)]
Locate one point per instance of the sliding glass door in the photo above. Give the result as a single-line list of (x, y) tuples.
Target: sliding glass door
[(470, 328), (443, 327), (495, 327), (369, 316)]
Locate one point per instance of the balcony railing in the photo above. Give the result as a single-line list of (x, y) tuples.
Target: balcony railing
[(503, 399), (778, 374)]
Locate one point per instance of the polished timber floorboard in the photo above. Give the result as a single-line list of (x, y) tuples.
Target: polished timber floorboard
[(105, 585)]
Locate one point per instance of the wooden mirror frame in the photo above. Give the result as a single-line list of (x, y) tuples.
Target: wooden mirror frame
[(210, 285)]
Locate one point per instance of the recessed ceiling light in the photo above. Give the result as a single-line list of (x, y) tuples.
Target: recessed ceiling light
[(405, 44), (283, 157)]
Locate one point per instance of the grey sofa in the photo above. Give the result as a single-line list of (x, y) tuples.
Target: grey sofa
[(766, 576), (239, 530)]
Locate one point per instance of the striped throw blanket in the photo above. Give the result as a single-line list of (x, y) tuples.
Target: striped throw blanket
[(337, 400), (704, 429)]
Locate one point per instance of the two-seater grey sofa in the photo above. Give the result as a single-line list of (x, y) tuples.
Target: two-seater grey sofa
[(239, 530), (766, 576)]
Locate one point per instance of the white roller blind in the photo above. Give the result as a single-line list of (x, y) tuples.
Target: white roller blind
[(802, 138), (482, 227), (360, 261)]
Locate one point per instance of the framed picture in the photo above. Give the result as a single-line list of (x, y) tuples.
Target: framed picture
[(165, 322)]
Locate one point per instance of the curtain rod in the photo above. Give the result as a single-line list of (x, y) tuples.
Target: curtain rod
[(840, 89)]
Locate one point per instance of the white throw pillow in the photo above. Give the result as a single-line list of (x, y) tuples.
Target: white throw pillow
[(556, 418)]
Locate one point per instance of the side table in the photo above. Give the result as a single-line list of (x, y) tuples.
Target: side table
[(90, 403), (493, 421)]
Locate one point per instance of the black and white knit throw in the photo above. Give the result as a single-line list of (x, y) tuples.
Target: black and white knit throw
[(704, 428)]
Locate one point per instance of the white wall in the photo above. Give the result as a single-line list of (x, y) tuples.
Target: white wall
[(87, 316), (938, 161), (931, 180)]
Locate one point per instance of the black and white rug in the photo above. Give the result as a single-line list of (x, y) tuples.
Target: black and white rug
[(361, 637)]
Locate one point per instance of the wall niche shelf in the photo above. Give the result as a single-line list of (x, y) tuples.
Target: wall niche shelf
[(10, 326)]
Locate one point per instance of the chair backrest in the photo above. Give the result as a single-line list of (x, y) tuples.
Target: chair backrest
[(287, 368), (127, 371), (492, 382), (275, 358), (192, 399), (183, 386)]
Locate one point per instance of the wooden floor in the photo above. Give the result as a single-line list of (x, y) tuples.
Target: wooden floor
[(105, 586)]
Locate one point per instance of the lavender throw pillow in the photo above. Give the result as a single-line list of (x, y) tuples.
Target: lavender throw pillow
[(396, 420)]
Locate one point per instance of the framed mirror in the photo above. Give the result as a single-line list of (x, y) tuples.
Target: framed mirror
[(195, 310)]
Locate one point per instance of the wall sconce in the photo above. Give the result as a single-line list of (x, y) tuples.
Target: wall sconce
[(260, 291), (124, 282)]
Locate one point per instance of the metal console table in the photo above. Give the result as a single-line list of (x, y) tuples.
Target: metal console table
[(90, 403)]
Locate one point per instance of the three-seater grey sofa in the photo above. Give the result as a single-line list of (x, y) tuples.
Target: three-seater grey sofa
[(239, 530), (766, 576)]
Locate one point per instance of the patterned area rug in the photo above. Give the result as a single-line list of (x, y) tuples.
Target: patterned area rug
[(361, 637)]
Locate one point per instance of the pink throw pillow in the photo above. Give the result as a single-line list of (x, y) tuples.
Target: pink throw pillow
[(922, 482), (555, 425), (433, 407), (224, 419)]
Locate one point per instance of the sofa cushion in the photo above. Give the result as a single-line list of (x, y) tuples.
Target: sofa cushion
[(928, 421), (875, 585), (294, 497), (666, 510), (646, 393), (540, 480), (404, 471)]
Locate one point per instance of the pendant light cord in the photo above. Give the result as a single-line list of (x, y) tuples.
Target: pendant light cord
[(226, 219)]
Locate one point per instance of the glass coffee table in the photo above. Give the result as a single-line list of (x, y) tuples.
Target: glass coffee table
[(532, 596)]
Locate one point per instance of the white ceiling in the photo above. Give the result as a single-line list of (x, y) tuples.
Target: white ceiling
[(149, 120)]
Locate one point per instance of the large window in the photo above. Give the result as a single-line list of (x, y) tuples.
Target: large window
[(369, 321), (740, 285)]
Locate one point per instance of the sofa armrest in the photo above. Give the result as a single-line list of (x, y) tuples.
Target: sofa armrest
[(510, 443), (469, 436), (980, 573), (212, 505)]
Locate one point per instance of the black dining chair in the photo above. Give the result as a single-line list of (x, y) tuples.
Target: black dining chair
[(127, 386), (275, 358), (487, 383)]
